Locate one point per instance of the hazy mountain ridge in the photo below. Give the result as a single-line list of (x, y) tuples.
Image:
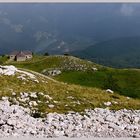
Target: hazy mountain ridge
[(43, 27), (121, 52)]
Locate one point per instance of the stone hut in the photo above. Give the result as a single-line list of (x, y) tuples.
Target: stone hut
[(12, 55), (21, 55)]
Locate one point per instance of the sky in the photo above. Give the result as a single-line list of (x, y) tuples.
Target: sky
[(39, 26)]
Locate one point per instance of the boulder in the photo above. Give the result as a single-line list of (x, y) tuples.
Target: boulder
[(51, 106), (33, 95), (8, 70), (109, 91), (107, 103), (54, 72)]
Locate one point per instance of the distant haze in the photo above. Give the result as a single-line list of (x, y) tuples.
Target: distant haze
[(59, 28)]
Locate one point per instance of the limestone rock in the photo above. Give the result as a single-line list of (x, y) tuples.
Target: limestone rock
[(109, 91), (16, 120), (107, 103), (51, 106), (33, 95)]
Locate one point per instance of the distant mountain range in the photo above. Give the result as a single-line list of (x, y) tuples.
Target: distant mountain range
[(121, 52), (73, 28)]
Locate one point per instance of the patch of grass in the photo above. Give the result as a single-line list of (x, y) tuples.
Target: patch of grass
[(82, 97), (126, 81), (3, 59), (40, 63)]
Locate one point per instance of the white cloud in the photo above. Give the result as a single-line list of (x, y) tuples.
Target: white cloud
[(41, 35), (127, 9), (17, 28)]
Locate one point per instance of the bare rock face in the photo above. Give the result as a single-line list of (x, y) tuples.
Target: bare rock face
[(12, 70), (8, 70), (109, 91), (16, 120), (53, 72)]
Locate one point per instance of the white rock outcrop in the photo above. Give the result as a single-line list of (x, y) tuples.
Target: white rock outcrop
[(17, 121), (12, 70), (94, 69), (54, 72), (33, 95), (107, 103), (109, 91), (8, 70)]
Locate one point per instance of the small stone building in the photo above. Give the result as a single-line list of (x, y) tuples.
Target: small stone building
[(20, 55)]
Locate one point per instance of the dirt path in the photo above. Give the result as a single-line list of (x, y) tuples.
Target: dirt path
[(39, 74)]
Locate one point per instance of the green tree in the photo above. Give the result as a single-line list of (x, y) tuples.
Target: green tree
[(111, 83), (46, 54)]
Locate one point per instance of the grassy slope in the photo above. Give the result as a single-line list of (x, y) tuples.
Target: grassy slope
[(3, 59), (128, 81), (40, 63), (88, 97)]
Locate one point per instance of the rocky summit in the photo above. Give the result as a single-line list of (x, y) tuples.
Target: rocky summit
[(16, 121)]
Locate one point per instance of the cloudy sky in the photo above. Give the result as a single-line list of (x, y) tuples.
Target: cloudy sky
[(47, 25)]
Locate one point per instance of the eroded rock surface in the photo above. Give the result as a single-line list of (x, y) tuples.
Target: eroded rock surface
[(12, 70), (17, 121)]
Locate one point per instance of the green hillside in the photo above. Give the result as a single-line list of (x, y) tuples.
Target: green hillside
[(80, 72), (119, 53), (63, 97), (65, 63), (125, 82)]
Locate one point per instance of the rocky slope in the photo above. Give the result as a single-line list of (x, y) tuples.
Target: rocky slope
[(35, 105), (16, 120)]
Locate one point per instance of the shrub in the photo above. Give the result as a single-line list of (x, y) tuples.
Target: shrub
[(111, 83), (46, 54)]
